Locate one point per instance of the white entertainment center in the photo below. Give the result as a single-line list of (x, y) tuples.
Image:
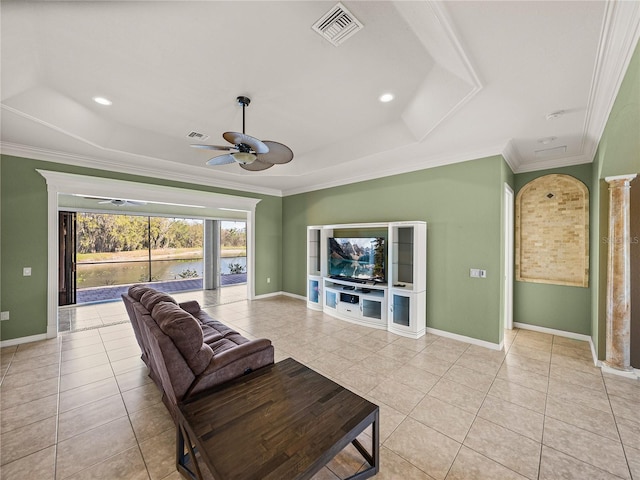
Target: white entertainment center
[(397, 304)]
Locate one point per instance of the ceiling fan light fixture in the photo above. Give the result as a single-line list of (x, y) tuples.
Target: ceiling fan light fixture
[(244, 157), (386, 97)]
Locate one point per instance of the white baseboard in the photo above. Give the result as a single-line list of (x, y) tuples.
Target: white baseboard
[(462, 338), (552, 331), (293, 295), (277, 294), (21, 340), (563, 333)]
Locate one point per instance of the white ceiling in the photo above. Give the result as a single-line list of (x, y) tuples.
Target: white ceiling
[(470, 79)]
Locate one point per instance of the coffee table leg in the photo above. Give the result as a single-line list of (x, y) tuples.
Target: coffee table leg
[(373, 458), (182, 438)]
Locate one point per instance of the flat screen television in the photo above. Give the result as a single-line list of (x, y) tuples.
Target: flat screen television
[(358, 259)]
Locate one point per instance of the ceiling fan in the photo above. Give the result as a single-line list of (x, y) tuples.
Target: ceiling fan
[(249, 152), (118, 202)]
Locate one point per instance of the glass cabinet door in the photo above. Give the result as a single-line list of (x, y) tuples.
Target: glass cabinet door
[(314, 293), (372, 308), (401, 310), (331, 299)]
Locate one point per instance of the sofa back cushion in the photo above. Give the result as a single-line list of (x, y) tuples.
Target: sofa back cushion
[(152, 297), (186, 334), (136, 291)]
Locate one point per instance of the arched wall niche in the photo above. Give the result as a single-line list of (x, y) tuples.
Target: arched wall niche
[(552, 231)]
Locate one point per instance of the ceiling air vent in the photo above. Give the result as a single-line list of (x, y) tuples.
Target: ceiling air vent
[(550, 152), (197, 136), (337, 25)]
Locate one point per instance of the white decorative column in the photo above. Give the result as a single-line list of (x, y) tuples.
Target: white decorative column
[(618, 319)]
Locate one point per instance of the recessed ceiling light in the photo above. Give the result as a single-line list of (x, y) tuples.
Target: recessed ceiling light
[(386, 97), (102, 101)]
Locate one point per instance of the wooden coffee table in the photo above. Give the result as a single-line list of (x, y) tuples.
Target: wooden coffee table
[(281, 422)]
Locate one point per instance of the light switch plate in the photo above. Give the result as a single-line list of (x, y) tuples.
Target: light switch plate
[(477, 273), (4, 315), (26, 272)]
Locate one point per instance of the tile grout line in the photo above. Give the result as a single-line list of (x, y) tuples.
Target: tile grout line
[(615, 421), (115, 378), (476, 417)]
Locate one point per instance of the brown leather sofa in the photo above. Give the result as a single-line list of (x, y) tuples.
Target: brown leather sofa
[(185, 349)]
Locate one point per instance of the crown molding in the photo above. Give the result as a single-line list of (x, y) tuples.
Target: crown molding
[(89, 162), (554, 163), (512, 156), (618, 39), (438, 161)]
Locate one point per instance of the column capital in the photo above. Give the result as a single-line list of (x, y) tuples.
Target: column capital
[(621, 178)]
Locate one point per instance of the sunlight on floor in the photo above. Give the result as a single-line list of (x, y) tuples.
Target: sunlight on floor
[(72, 318)]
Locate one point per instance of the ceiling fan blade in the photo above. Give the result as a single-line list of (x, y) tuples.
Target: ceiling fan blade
[(213, 147), (238, 138), (278, 153), (106, 201), (221, 160), (256, 165), (135, 202)]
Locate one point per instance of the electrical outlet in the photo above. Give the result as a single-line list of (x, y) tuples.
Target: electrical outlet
[(4, 315), (26, 272)]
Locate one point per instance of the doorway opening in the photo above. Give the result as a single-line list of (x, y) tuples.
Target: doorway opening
[(102, 254)]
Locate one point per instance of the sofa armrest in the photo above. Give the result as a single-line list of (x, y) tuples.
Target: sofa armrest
[(231, 355), (192, 307)]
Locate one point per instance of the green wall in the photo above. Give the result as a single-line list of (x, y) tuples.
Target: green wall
[(461, 204), (555, 306), (23, 239), (618, 154)]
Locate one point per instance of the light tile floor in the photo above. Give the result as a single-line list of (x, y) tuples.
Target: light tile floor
[(82, 406), (93, 315)]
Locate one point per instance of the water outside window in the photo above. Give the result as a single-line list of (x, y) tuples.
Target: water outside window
[(125, 249)]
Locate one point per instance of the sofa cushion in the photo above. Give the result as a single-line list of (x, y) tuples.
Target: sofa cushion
[(192, 306), (151, 298), (136, 291), (186, 334)]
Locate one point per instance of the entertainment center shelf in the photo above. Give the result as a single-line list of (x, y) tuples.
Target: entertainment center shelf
[(371, 274)]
